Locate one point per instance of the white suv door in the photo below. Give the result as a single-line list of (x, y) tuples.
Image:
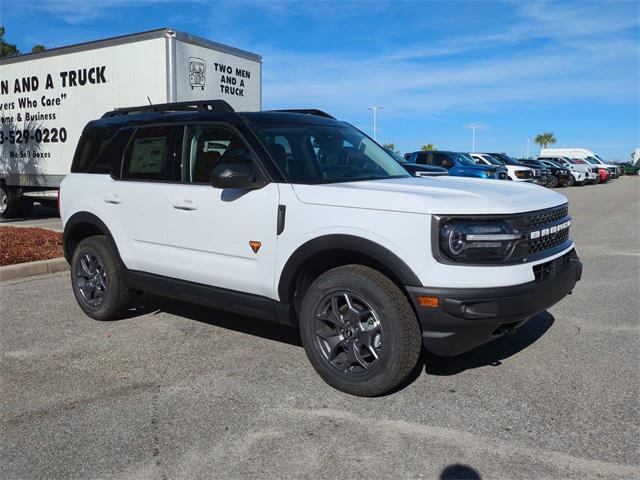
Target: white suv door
[(134, 205), (220, 237)]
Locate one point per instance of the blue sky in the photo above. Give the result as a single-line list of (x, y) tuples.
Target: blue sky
[(515, 68)]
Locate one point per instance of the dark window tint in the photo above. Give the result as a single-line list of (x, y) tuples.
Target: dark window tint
[(441, 160), (206, 146), (423, 158), (88, 158), (149, 155)]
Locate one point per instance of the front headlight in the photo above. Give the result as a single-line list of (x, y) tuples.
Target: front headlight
[(478, 241)]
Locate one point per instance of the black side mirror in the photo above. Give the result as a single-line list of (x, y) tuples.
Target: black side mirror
[(235, 175)]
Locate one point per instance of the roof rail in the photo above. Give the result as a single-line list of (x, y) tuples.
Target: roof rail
[(308, 111), (199, 106)]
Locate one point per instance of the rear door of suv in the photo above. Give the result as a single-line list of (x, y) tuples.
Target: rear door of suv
[(220, 237), (134, 198)]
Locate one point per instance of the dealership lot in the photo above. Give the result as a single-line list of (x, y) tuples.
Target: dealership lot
[(183, 392)]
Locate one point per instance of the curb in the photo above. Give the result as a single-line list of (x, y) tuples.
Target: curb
[(29, 269)]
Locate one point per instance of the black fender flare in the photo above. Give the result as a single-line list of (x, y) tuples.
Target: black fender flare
[(85, 218), (359, 245)]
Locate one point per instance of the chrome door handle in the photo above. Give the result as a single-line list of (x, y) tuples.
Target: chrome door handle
[(186, 205), (113, 198)]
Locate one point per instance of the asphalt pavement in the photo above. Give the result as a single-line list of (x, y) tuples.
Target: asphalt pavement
[(180, 392)]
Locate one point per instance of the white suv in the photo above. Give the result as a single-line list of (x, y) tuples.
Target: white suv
[(298, 218)]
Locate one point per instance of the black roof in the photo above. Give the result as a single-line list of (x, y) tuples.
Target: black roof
[(216, 110)]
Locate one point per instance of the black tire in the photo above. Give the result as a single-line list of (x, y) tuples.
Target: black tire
[(390, 320), (111, 275), (553, 182), (570, 181), (8, 202)]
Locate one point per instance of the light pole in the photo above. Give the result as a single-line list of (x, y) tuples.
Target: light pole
[(375, 109), (473, 136), (528, 140)]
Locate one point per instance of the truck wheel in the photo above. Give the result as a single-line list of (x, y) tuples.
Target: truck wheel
[(8, 202), (99, 279), (359, 331), (570, 181), (553, 182)]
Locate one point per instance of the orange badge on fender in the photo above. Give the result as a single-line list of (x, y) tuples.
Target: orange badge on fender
[(255, 246)]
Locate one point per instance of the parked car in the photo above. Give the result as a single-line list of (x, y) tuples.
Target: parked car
[(599, 170), (576, 177), (555, 175), (584, 154), (590, 173), (300, 218), (515, 172), (630, 168), (457, 164), (418, 170)]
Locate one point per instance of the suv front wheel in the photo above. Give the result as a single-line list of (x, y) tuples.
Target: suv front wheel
[(359, 331), (99, 279)]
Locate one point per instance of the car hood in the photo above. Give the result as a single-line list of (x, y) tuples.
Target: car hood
[(433, 195)]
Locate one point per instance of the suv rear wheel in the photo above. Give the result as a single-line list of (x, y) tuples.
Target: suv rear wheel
[(99, 279), (359, 331)]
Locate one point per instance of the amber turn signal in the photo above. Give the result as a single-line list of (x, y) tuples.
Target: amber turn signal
[(427, 301)]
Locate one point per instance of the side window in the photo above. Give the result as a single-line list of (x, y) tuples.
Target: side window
[(440, 160), (149, 155), (206, 146), (422, 158), (91, 145)]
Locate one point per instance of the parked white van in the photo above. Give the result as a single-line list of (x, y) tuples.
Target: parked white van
[(583, 154)]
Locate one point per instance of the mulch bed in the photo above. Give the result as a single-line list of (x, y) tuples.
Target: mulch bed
[(22, 244)]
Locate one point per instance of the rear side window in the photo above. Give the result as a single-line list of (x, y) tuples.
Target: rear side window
[(88, 158), (149, 155)]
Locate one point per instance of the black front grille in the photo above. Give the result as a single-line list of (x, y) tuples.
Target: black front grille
[(548, 270), (545, 243), (543, 217)]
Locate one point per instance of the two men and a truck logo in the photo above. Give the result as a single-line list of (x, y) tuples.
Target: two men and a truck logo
[(197, 72)]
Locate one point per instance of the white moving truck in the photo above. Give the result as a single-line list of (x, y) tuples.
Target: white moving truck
[(47, 98)]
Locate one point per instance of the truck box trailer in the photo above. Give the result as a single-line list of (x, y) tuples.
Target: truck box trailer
[(47, 98)]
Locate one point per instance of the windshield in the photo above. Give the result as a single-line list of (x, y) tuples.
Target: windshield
[(594, 161), (463, 158), (491, 159), (506, 159), (535, 163), (312, 154), (396, 155)]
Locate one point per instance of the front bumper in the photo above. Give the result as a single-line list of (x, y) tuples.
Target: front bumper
[(467, 318)]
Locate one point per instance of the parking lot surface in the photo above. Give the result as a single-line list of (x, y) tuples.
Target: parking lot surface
[(179, 392)]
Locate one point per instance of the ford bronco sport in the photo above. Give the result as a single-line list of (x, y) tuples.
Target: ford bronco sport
[(296, 217)]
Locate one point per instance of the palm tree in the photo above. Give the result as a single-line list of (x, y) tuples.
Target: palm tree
[(427, 147), (545, 139)]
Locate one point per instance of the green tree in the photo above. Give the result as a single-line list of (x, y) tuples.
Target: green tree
[(7, 49), (10, 50), (545, 139), (428, 146)]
